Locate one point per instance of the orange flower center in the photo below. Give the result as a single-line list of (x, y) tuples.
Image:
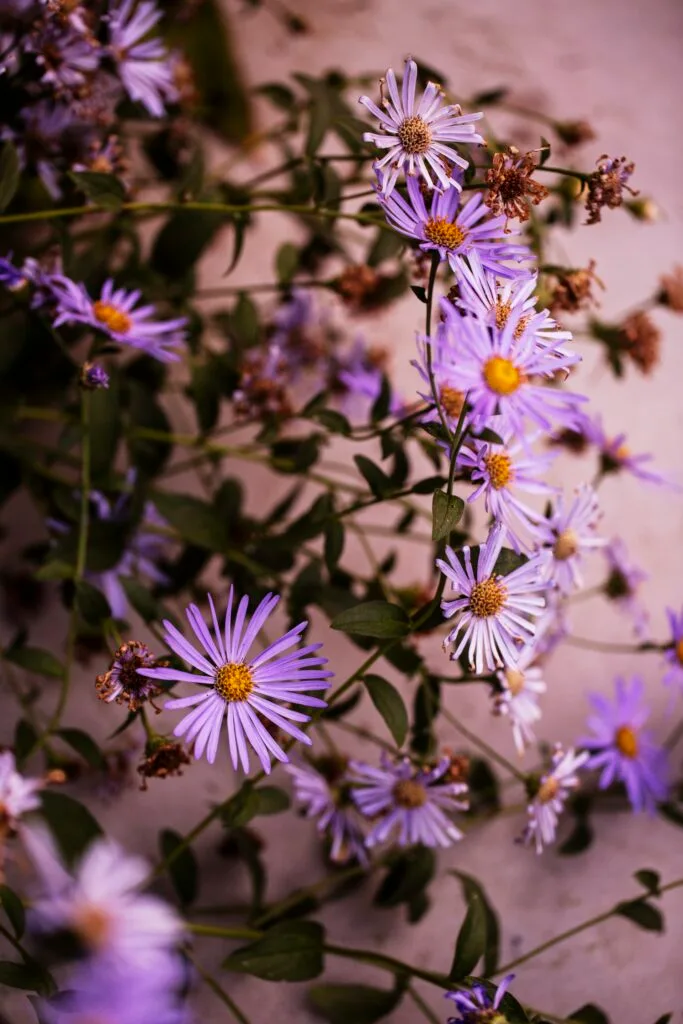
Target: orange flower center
[(452, 401), (444, 232), (115, 319), (499, 468), (92, 925), (515, 680), (501, 375), (548, 790), (679, 650), (233, 682), (410, 794), (487, 598), (566, 545), (626, 741)]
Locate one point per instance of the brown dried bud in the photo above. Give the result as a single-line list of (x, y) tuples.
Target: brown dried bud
[(574, 133), (459, 768), (571, 440), (55, 777), (163, 757), (356, 284), (123, 683), (641, 341), (512, 190), (606, 186), (574, 290), (262, 392), (671, 294)]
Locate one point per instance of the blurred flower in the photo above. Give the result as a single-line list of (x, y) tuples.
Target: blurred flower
[(606, 186), (623, 582), (641, 341), (477, 1006), (674, 654), (357, 379), (143, 64), (66, 56), (573, 291), (18, 795), (243, 691), (550, 796), (262, 392), (574, 133), (520, 685), (671, 285), (323, 789), (566, 534), (418, 139), (512, 189), (163, 757), (357, 284), (493, 612), (94, 377), (623, 749), (615, 455), (122, 682), (407, 801)]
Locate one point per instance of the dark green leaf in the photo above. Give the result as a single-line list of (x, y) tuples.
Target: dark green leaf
[(382, 404), (665, 1018), (409, 874), (30, 976), (9, 174), (642, 914), (649, 879), (103, 189), (84, 745), (589, 1014), (389, 703), (91, 603), (333, 421), (286, 262), (72, 824), (489, 435), (376, 479), (471, 941), (271, 800), (14, 909), (320, 115), (184, 237), (387, 245), (289, 951), (279, 95), (183, 867), (196, 521), (342, 707), (419, 291), (507, 561), (447, 512), (36, 660), (378, 619), (579, 839), (147, 607), (472, 889), (105, 428), (25, 740), (360, 1004), (483, 99), (334, 543)]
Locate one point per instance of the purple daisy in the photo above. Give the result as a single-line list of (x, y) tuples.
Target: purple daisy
[(623, 582), (13, 278), (548, 802), (477, 1006), (418, 138), (411, 802), (493, 613), (358, 374), (243, 691), (616, 456), (18, 795), (115, 314), (520, 685), (674, 654), (94, 377), (67, 57), (623, 749), (323, 791), (143, 64), (566, 534)]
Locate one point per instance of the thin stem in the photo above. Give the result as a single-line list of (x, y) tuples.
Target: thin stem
[(483, 745), (266, 286), (613, 648), (221, 993), (426, 1010), (329, 882)]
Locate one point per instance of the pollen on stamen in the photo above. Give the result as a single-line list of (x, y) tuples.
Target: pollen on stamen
[(499, 468), (626, 741), (566, 545), (234, 682), (410, 794), (444, 232), (501, 375), (487, 598), (115, 319), (415, 135)]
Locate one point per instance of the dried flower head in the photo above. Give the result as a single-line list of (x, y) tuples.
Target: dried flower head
[(671, 294), (574, 133), (122, 682), (163, 757), (607, 184), (512, 190), (641, 341), (262, 392), (574, 289), (356, 284)]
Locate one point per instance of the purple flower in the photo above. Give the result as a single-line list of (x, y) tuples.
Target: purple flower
[(477, 1006), (493, 612), (359, 374), (323, 791), (122, 682), (616, 456), (18, 795), (52, 139), (418, 139), (623, 582), (623, 749), (520, 684), (674, 654), (444, 369), (566, 534), (94, 377), (66, 56), (12, 277), (456, 236), (115, 314), (548, 802), (144, 65), (411, 802), (243, 691)]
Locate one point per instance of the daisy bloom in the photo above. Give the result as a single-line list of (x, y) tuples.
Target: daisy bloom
[(117, 315), (674, 654), (566, 534), (100, 903), (623, 749), (243, 691), (477, 1005), (418, 137), (456, 235), (517, 698), (322, 789), (143, 64), (616, 456), (493, 612), (18, 795), (408, 803), (623, 582), (548, 802)]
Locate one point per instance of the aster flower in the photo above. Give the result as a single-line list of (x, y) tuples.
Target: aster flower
[(115, 314), (66, 56), (623, 749), (143, 64), (615, 454), (566, 534), (11, 276), (548, 801), (498, 369), (477, 1006), (243, 691), (323, 791), (122, 682), (18, 795), (52, 139), (493, 613), (607, 184), (357, 377), (455, 235), (100, 903), (623, 582), (573, 291), (517, 698), (674, 654), (410, 803), (499, 471), (263, 386), (437, 350), (418, 137)]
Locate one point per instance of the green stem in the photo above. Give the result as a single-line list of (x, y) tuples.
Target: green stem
[(610, 648), (426, 1010), (329, 882), (219, 991), (483, 745)]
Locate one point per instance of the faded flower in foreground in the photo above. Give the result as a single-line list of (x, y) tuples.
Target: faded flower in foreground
[(418, 138), (323, 790), (241, 691), (18, 795), (122, 682), (550, 796), (623, 750), (493, 613), (407, 802), (477, 1006), (616, 455), (623, 582), (566, 534), (641, 340)]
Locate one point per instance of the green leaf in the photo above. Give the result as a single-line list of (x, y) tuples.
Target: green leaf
[(376, 479), (472, 890), (419, 291), (649, 879), (378, 619), (105, 429), (103, 189), (30, 976), (9, 174), (84, 745), (389, 703), (286, 262), (333, 421), (271, 800), (14, 909), (182, 869), (642, 914), (334, 543), (359, 1004), (289, 951), (387, 245), (184, 237), (196, 521), (71, 823), (447, 510), (409, 874), (489, 435), (320, 115), (589, 1014), (664, 1019), (36, 660), (91, 603), (507, 561), (25, 740), (147, 606), (471, 941)]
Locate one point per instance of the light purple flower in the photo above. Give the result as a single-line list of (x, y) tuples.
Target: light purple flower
[(116, 313), (18, 795), (566, 534), (457, 235), (624, 750), (411, 803), (554, 787), (418, 138), (52, 139), (623, 582), (520, 684), (444, 369), (94, 377), (143, 64), (12, 277), (359, 373), (493, 613), (243, 691), (323, 791), (616, 456), (674, 654), (66, 56), (477, 1006)]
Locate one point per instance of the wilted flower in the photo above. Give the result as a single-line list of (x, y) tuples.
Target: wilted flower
[(574, 289), (641, 341), (606, 186), (512, 189), (262, 392), (357, 283), (323, 790), (671, 285), (162, 757), (551, 792), (566, 534), (122, 682), (574, 133)]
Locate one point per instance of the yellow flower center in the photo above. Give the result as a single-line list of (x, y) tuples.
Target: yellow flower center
[(679, 651), (566, 545), (410, 794), (444, 232), (415, 135), (452, 401), (499, 468), (626, 741), (115, 319), (547, 791), (487, 598), (622, 452), (501, 375), (515, 680), (503, 310), (92, 925), (233, 682)]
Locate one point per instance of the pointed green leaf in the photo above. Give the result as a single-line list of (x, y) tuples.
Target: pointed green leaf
[(470, 944), (389, 703), (289, 951), (378, 619), (447, 510), (9, 174), (183, 866), (359, 1004)]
